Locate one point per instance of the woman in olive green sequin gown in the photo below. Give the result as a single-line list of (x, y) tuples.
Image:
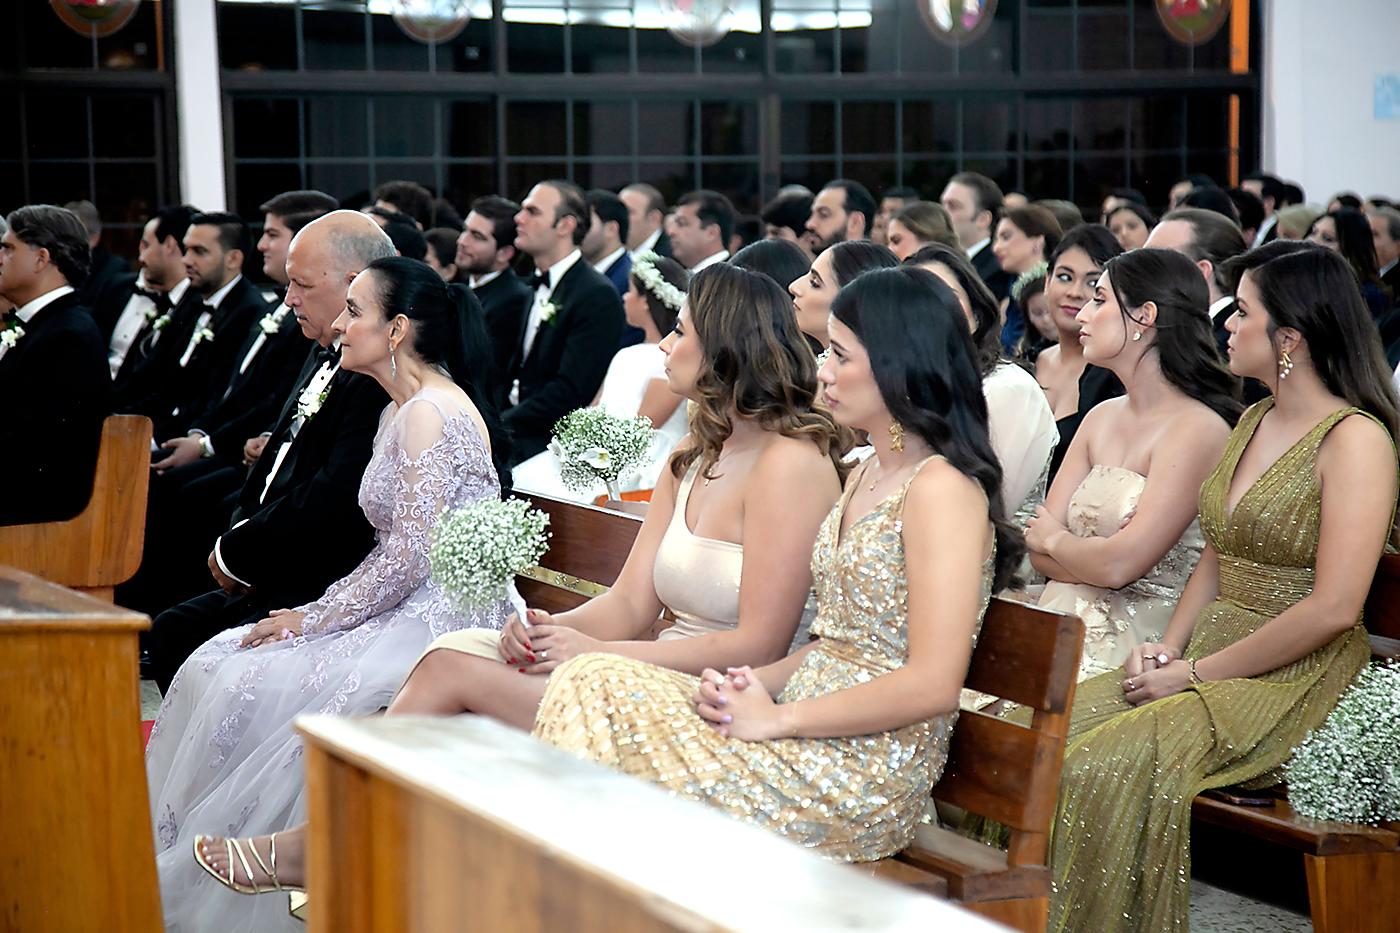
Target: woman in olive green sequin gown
[(844, 760), (1268, 632)]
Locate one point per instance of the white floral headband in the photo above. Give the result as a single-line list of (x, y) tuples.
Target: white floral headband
[(644, 268)]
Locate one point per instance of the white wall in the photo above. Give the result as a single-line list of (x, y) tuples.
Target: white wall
[(1321, 62), (201, 125)]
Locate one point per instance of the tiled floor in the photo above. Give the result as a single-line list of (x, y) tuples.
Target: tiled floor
[(1213, 910)]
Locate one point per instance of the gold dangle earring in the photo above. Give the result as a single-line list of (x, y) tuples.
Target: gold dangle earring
[(896, 436), (1285, 364)]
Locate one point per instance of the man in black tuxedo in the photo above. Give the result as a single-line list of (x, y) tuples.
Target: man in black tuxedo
[(133, 303), (646, 211), (843, 210), (574, 323), (298, 526), (973, 202), (53, 369), (105, 268), (193, 365), (1208, 239), (486, 251)]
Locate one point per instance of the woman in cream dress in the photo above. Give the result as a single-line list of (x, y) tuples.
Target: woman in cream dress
[(1117, 536)]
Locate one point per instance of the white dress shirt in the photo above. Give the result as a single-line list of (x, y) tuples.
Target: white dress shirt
[(977, 247), (26, 311), (1264, 229), (649, 244), (477, 281), (604, 264), (710, 260), (177, 295), (542, 293), (139, 309)]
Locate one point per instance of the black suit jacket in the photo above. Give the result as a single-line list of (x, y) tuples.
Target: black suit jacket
[(252, 400), (985, 262), (112, 302), (505, 300), (173, 394), (57, 390), (151, 354), (568, 359), (309, 531), (1217, 323)]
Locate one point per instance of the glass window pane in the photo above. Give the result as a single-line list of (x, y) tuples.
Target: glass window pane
[(929, 176), (347, 182), (58, 183), (671, 178), (659, 51), (930, 126), (988, 125), (1208, 122), (10, 147), (424, 173), (473, 50), (133, 47), (1153, 48), (990, 53), (602, 128), (600, 36), (58, 126), (534, 35), (466, 183), (868, 126), (521, 176), (1046, 176), (1157, 122), (875, 174), (1049, 45), (255, 183), (736, 181), (899, 24), (666, 128), (1215, 163), (469, 127), (536, 128), (1094, 177), (1154, 175), (51, 44), (1103, 37), (1100, 123), (813, 174), (999, 168), (395, 50), (124, 126), (126, 192), (1214, 53), (1047, 122), (337, 126), (266, 127), (729, 129), (808, 127), (609, 175), (334, 39), (11, 186), (804, 36), (403, 126), (261, 37), (741, 49)]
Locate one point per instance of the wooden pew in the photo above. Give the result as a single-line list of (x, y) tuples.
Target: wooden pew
[(1353, 871), (78, 853), (101, 546), (587, 548), (430, 824), (1003, 771)]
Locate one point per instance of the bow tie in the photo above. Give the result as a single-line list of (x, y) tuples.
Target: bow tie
[(10, 317), (160, 299), (538, 279), (327, 355)]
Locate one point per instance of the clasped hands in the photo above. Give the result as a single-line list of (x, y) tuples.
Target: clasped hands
[(1148, 678), (539, 645), (737, 704), (280, 625)]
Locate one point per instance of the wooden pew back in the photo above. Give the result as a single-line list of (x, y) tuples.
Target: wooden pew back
[(587, 548), (101, 546)]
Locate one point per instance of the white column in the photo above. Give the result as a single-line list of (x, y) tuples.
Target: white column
[(1321, 62), (199, 105)]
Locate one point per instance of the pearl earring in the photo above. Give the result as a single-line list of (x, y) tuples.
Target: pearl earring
[(1285, 365), (1137, 335)]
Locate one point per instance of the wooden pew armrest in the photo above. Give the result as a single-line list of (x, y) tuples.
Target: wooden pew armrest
[(974, 871)]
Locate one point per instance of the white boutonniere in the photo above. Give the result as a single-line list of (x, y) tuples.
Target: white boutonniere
[(163, 321), (151, 313), (10, 335), (547, 312), (202, 335), (310, 403), (270, 323)]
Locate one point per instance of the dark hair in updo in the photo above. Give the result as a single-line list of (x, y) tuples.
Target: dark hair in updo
[(448, 331), (925, 366)]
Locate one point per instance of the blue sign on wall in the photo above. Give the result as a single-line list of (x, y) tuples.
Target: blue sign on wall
[(1388, 97)]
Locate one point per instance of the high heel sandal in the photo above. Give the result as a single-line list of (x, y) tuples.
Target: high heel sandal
[(234, 848)]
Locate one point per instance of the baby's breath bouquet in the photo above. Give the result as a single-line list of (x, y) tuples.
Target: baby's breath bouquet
[(593, 445), (478, 549), (1349, 768)]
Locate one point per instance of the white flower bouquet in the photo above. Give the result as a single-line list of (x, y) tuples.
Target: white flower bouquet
[(594, 446), (477, 550), (1349, 768)]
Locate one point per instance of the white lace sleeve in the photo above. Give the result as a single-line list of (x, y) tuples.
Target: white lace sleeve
[(1023, 431), (421, 480)]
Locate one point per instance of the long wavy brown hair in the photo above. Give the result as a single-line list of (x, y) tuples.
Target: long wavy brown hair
[(755, 365)]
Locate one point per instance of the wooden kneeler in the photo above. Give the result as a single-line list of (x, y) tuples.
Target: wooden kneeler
[(1003, 771), (101, 547)]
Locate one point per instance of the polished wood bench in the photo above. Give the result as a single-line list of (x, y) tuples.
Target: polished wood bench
[(587, 548), (101, 546), (1003, 771), (78, 852), (1353, 871), (433, 824)]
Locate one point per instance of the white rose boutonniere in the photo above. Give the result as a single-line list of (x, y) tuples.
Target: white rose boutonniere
[(151, 313), (10, 336), (270, 323), (202, 335), (548, 311), (163, 321), (310, 403)]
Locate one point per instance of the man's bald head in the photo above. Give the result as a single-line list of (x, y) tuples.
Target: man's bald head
[(324, 258)]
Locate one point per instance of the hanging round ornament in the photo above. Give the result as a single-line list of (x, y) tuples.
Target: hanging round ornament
[(697, 23), (957, 22), (1192, 22), (432, 22), (96, 18)]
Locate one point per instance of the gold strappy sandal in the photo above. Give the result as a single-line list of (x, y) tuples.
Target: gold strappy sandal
[(235, 848)]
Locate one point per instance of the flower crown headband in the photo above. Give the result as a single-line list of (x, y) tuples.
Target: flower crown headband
[(1038, 271), (644, 268)]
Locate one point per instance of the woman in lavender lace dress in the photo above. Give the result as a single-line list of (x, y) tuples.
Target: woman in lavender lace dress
[(223, 755)]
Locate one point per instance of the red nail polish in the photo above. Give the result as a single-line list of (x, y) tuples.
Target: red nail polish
[(532, 657)]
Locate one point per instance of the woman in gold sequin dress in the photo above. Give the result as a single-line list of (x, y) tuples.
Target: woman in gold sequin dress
[(838, 745), (1268, 631), (1117, 536)]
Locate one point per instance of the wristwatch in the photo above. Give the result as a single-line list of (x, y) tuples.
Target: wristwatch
[(206, 447)]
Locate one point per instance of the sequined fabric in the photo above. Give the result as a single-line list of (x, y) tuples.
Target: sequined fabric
[(855, 799), (1120, 848), (1115, 620)]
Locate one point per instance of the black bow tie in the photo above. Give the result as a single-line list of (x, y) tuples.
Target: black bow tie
[(160, 299), (327, 355), (538, 279), (11, 316)]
